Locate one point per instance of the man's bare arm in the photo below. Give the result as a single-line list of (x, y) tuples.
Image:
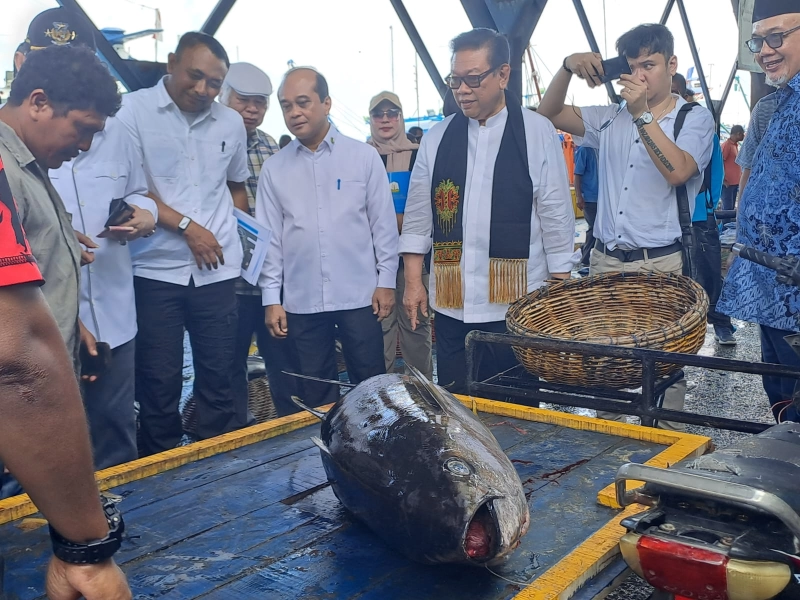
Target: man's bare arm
[(44, 439), (743, 184), (564, 117), (675, 165)]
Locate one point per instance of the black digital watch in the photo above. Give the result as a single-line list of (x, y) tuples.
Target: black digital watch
[(93, 552)]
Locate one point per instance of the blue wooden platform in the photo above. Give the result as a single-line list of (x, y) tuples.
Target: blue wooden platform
[(262, 522)]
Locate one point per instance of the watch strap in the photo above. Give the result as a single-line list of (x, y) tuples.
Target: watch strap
[(93, 552)]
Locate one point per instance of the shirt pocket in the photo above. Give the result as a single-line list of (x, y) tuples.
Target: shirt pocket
[(109, 179), (349, 203), (162, 157), (213, 157)]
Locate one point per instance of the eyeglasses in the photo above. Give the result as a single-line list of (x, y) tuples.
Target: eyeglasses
[(472, 81), (773, 40), (392, 114), (608, 123)]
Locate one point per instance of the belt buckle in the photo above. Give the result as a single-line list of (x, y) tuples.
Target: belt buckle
[(626, 255)]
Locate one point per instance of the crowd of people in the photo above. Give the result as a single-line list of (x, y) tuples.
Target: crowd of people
[(119, 235)]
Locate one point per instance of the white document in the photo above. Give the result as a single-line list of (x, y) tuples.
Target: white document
[(255, 243)]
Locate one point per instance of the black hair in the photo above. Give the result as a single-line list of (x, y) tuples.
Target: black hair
[(72, 77), (737, 129), (482, 37), (646, 39), (321, 85), (193, 39), (416, 127), (681, 81)]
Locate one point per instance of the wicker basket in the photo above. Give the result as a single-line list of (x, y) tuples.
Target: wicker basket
[(259, 402), (663, 312)]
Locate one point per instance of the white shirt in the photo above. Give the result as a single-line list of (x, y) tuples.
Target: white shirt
[(636, 207), (334, 230), (188, 167), (87, 185), (552, 241)]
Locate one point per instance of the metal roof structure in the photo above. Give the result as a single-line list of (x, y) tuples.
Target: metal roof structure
[(517, 19)]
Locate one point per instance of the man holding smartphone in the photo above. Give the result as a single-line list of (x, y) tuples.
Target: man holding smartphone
[(88, 185), (641, 163)]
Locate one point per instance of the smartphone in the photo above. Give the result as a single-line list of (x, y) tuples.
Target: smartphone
[(614, 67), (95, 365)]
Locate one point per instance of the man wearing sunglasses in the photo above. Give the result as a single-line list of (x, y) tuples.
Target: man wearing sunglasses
[(490, 188), (769, 211), (642, 165)]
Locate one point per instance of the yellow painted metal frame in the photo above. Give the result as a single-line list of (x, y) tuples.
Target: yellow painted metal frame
[(557, 583)]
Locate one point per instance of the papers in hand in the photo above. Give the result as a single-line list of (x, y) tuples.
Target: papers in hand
[(255, 243)]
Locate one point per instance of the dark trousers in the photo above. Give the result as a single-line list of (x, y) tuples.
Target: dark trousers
[(451, 352), (110, 411), (590, 212), (774, 349), (728, 197), (707, 267), (313, 341), (275, 353), (208, 313)]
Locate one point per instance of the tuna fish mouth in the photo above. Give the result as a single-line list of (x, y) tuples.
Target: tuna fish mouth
[(482, 539)]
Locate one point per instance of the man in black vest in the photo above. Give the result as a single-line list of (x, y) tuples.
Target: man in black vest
[(486, 253)]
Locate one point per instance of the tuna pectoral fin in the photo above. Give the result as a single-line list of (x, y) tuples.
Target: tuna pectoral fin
[(320, 444), (319, 414), (320, 380)]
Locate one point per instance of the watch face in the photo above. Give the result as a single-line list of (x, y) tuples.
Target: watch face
[(647, 117)]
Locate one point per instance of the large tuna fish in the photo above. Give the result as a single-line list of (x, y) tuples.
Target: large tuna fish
[(420, 470)]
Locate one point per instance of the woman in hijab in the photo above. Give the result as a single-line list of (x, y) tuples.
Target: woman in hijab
[(398, 154)]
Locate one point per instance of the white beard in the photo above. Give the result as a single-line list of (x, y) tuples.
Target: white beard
[(776, 82)]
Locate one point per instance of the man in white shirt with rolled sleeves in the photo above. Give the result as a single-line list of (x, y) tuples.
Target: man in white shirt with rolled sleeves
[(486, 253), (334, 242), (642, 165), (195, 157), (111, 170)]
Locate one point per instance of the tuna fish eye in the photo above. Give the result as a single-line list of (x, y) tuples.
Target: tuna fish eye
[(458, 467)]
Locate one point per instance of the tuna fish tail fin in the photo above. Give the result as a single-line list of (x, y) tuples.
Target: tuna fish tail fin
[(436, 398), (319, 414), (320, 444)]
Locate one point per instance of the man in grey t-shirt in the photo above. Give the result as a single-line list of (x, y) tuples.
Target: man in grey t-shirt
[(759, 120)]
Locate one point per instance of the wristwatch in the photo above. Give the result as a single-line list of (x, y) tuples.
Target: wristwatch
[(645, 119), (185, 221), (93, 552)]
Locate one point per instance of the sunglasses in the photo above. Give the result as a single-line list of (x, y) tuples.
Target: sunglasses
[(773, 40), (472, 81), (608, 123), (393, 114)]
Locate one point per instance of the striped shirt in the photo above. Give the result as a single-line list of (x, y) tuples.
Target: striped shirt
[(759, 120), (260, 146)]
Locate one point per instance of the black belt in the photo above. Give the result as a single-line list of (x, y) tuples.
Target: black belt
[(638, 254)]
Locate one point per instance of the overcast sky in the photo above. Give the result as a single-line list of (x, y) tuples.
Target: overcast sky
[(350, 42)]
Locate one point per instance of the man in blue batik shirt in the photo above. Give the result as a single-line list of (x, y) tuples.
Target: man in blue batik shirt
[(769, 210)]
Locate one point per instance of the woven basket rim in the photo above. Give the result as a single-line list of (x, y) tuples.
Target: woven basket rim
[(688, 321)]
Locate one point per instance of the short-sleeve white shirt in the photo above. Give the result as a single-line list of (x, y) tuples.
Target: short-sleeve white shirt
[(188, 167), (637, 207)]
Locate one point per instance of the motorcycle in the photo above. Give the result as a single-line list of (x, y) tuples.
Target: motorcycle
[(724, 526)]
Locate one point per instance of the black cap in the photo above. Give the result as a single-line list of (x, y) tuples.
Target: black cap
[(59, 27), (765, 9)]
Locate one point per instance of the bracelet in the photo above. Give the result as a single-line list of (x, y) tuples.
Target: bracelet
[(564, 66)]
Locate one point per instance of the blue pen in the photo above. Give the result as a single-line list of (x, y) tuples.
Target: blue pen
[(338, 184)]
